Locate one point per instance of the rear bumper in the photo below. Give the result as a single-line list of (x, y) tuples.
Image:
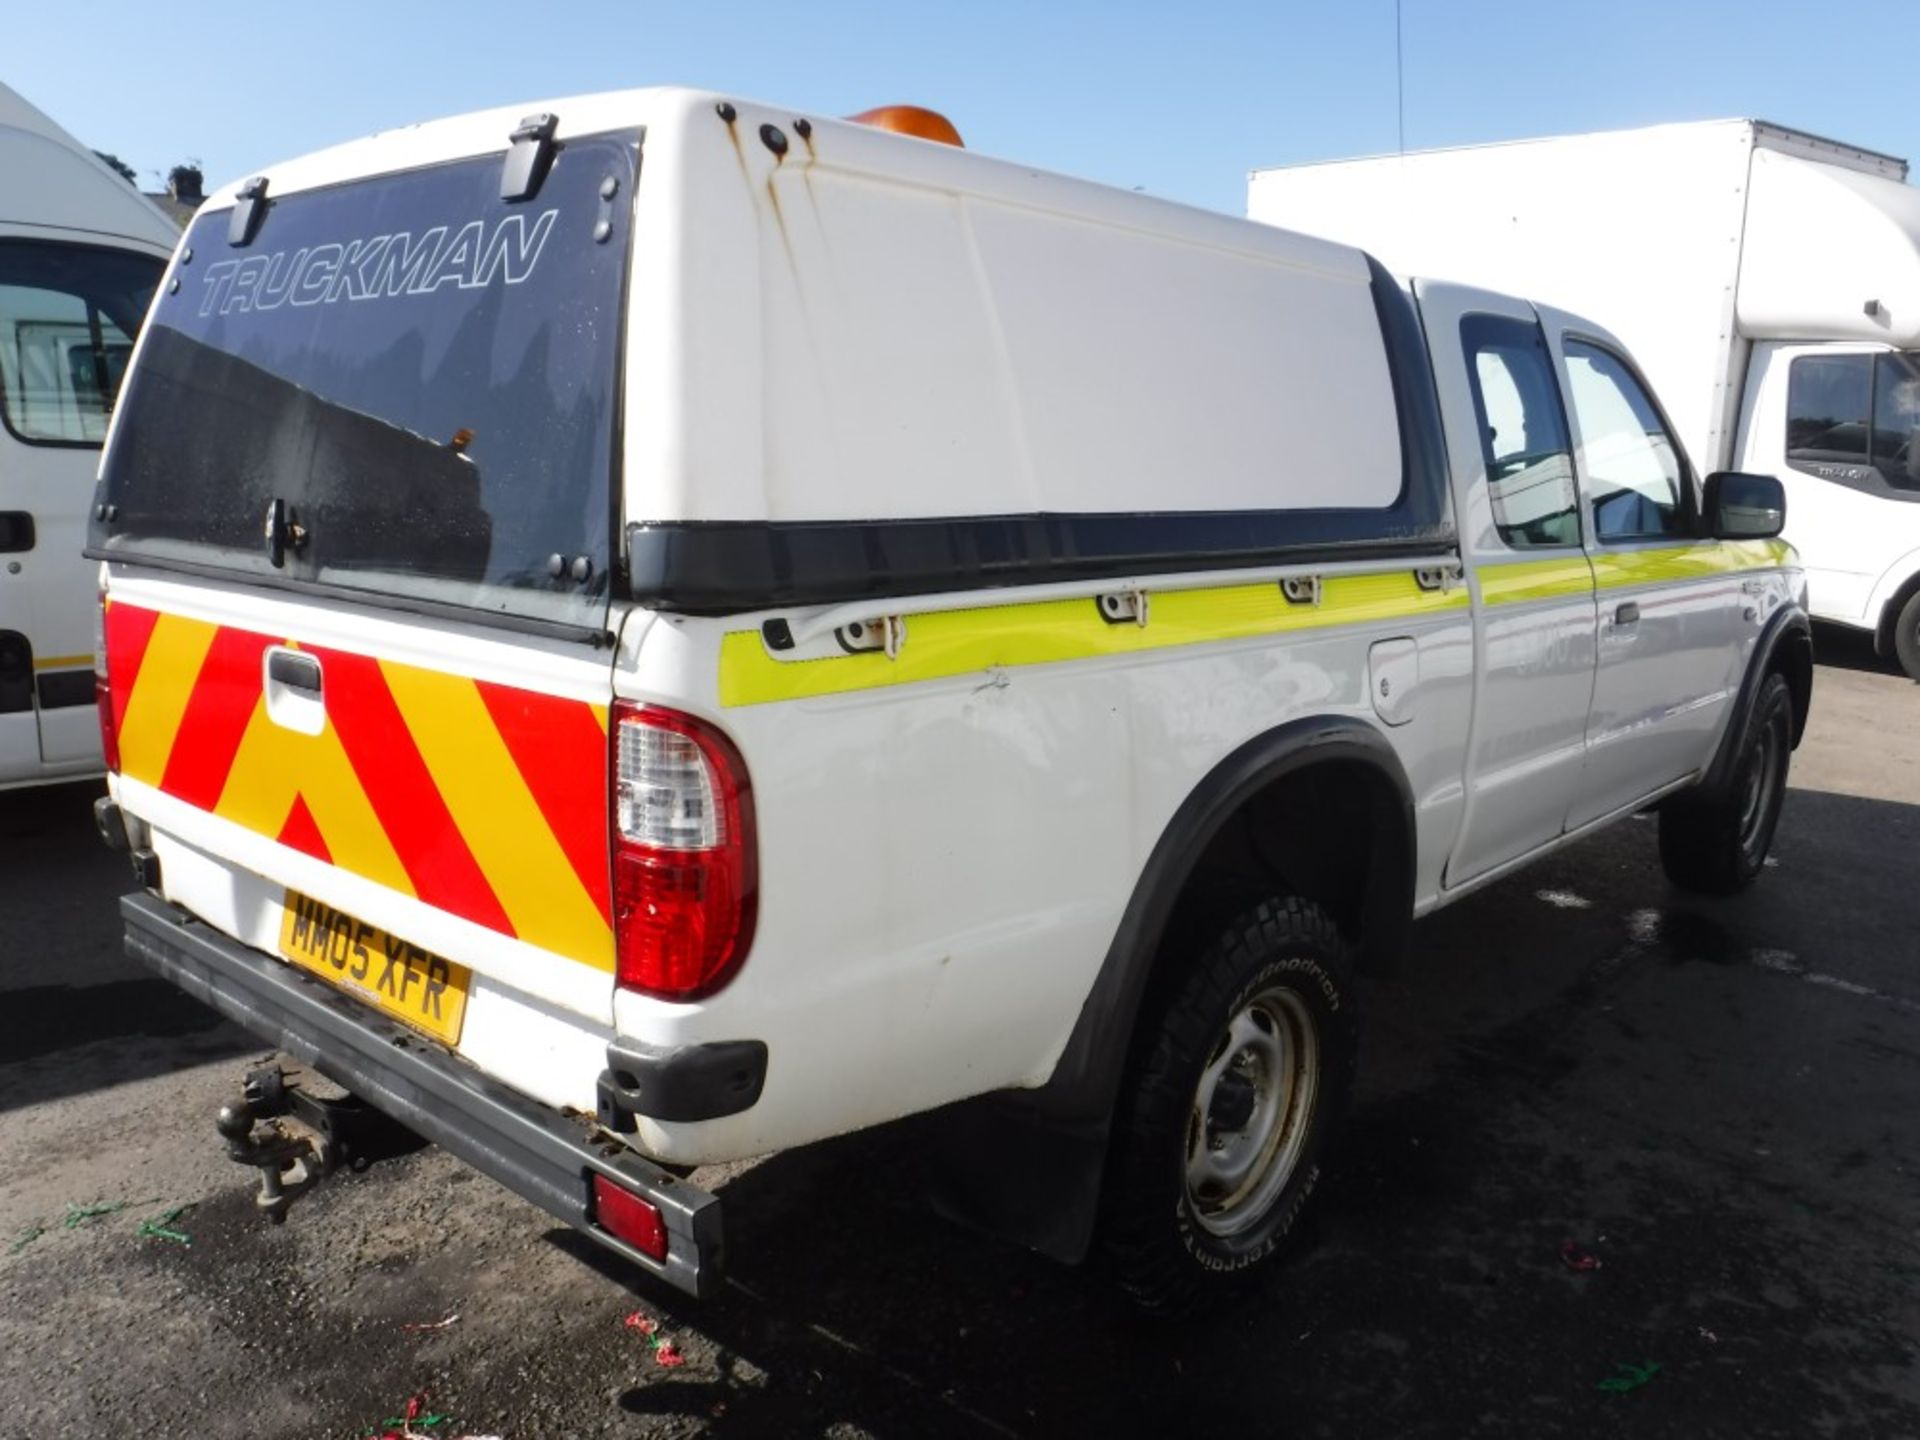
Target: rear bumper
[(541, 1155)]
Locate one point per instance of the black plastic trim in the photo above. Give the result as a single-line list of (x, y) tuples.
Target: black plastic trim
[(1028, 1164), (16, 673), (64, 689), (727, 567), (1787, 626), (680, 1083), (539, 1154), (383, 600), (16, 532)]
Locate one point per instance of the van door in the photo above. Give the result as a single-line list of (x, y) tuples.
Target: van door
[(362, 505), (1669, 603), (1512, 463), (68, 315)]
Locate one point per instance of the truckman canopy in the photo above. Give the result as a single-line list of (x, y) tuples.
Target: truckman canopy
[(416, 373), (1831, 254)]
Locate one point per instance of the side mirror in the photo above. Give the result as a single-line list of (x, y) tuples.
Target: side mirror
[(1738, 506)]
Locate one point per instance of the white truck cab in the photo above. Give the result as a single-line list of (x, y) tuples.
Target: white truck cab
[(666, 628), (1768, 279), (80, 254)]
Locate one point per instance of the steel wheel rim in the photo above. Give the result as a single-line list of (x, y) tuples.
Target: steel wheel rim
[(1251, 1111), (1762, 781)]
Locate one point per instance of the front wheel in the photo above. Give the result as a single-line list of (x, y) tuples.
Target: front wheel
[(1227, 1110), (1714, 844), (1906, 636)]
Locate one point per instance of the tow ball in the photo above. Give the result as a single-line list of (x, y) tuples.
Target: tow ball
[(295, 1139)]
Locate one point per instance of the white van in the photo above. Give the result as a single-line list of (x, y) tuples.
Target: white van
[(1768, 279), (81, 252)]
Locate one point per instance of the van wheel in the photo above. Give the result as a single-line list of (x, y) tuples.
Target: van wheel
[(1715, 844), (1906, 636), (1225, 1114)]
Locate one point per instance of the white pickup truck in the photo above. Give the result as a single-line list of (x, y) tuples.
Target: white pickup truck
[(668, 628)]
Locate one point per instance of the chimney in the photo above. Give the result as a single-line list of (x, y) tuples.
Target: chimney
[(183, 184)]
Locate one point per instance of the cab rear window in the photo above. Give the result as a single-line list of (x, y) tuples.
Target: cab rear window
[(415, 376)]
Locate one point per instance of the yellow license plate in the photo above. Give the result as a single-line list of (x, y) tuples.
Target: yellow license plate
[(413, 985)]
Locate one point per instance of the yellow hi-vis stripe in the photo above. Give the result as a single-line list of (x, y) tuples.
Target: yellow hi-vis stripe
[(1512, 582), (175, 652), (1570, 573), (497, 815), (1615, 568), (959, 642)]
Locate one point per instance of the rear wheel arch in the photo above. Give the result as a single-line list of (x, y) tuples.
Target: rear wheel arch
[(1049, 1145)]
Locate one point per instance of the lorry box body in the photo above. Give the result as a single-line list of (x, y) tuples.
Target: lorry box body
[(709, 628), (1768, 280), (81, 251)]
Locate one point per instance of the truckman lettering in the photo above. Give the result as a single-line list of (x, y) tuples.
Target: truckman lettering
[(380, 266)]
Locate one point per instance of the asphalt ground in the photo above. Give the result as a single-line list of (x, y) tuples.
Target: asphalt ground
[(1717, 1101)]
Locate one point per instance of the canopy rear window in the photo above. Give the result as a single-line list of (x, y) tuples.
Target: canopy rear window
[(420, 375)]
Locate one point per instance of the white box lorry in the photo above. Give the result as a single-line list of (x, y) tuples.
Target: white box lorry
[(1769, 280), (629, 665)]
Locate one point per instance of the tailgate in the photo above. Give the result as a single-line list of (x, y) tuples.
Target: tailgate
[(445, 786)]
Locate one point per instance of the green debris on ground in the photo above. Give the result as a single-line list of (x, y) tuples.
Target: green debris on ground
[(1630, 1377), (27, 1236), (160, 1228), (78, 1215)]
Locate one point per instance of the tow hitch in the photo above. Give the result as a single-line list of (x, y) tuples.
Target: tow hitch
[(295, 1139)]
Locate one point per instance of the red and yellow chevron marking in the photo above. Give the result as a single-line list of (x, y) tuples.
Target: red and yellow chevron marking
[(483, 800)]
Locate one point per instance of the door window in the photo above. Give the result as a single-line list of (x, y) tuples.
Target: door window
[(1853, 419), (68, 315), (1634, 476), (1523, 435)]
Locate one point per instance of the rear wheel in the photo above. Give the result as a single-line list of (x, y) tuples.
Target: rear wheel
[(1715, 843), (1906, 636), (1226, 1114)]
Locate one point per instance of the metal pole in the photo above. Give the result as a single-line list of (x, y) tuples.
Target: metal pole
[(1399, 79)]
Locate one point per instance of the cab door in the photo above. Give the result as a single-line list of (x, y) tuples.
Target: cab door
[(1510, 454), (1669, 603)]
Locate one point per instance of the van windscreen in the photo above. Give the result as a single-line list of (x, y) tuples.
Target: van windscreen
[(414, 375)]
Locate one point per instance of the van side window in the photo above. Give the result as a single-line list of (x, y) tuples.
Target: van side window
[(1852, 419), (1523, 435), (68, 315), (1634, 473)]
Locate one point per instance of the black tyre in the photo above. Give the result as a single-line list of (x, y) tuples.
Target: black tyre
[(1226, 1113), (1906, 636), (1714, 842)]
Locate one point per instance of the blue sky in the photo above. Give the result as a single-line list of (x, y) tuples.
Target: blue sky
[(1178, 100)]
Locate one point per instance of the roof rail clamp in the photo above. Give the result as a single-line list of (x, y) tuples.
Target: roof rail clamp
[(528, 158)]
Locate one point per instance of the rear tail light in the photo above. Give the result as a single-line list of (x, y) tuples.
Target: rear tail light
[(626, 1216), (102, 688), (684, 876)]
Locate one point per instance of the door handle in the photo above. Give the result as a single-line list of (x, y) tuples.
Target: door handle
[(295, 671), (1627, 613), (16, 531)]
